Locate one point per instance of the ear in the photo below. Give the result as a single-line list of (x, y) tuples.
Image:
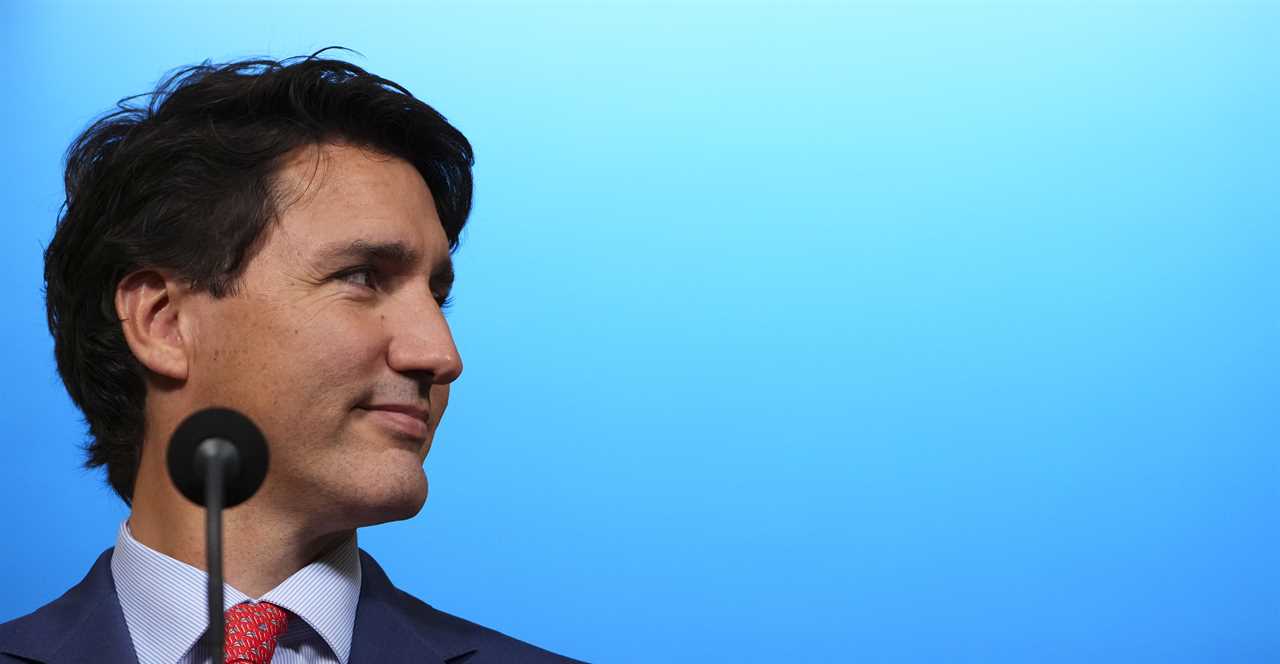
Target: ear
[(147, 303)]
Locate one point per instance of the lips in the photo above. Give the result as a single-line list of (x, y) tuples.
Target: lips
[(404, 420)]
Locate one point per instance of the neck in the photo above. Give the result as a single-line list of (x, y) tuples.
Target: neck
[(261, 547)]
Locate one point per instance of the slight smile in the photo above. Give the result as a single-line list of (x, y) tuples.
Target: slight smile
[(405, 420)]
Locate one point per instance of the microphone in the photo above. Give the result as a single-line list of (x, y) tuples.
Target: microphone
[(217, 459)]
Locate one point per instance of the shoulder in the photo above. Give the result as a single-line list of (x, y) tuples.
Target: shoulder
[(86, 621), (490, 644), (29, 635), (456, 639)]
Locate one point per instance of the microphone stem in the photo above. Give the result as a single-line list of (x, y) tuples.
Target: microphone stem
[(213, 490)]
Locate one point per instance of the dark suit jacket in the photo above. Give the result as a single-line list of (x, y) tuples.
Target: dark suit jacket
[(86, 625)]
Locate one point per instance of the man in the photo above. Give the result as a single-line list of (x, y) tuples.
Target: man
[(272, 237)]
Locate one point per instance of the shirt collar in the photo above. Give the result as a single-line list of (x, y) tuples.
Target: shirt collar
[(162, 598)]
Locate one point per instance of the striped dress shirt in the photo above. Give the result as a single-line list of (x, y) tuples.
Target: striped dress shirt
[(164, 605)]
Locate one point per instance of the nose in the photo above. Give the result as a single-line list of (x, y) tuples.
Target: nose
[(421, 343)]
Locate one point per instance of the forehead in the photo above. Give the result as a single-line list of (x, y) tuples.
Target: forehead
[(343, 193)]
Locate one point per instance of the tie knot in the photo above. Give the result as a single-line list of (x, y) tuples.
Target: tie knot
[(252, 630)]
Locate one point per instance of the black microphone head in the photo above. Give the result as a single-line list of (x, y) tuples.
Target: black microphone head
[(242, 479)]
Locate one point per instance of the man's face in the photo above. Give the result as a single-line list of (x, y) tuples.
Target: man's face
[(335, 343)]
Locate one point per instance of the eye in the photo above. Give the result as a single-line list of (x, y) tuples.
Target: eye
[(365, 275), (445, 302)]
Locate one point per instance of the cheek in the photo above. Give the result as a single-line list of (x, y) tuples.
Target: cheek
[(312, 378), (338, 350), (299, 361)]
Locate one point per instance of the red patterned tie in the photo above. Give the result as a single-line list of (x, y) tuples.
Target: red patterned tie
[(252, 630)]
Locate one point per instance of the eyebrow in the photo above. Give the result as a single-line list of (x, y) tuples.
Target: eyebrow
[(397, 254)]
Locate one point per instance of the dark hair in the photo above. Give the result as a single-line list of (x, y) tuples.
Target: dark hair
[(182, 178)]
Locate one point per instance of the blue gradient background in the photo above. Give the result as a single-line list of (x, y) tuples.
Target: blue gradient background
[(824, 333)]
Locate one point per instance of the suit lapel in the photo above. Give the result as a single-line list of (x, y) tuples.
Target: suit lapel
[(84, 625), (393, 627)]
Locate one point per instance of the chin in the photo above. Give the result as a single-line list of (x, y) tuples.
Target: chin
[(389, 500)]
